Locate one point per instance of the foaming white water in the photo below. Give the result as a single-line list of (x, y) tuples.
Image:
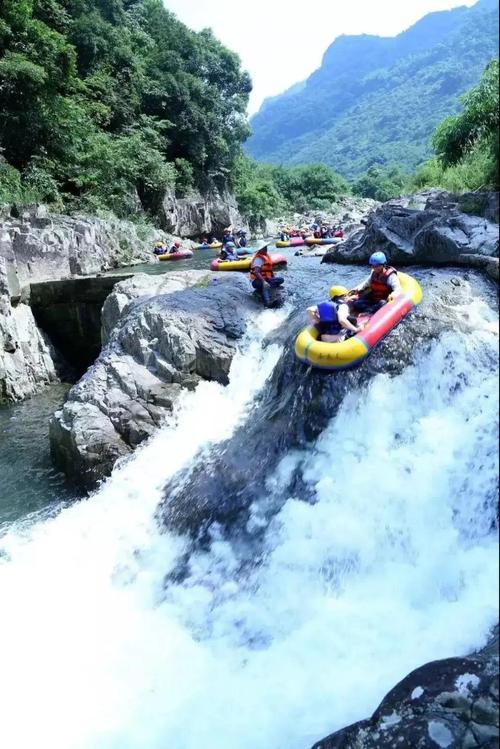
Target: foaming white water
[(75, 651), (394, 564)]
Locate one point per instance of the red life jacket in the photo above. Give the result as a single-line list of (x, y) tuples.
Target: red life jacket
[(266, 269), (379, 287)]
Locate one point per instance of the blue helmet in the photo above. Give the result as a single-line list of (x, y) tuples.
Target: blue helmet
[(230, 245), (378, 258)]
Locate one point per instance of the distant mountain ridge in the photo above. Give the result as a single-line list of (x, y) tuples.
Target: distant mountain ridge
[(376, 100)]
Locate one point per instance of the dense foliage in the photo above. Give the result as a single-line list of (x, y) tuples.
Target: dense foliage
[(475, 130), (380, 184), (375, 102), (466, 147), (105, 103), (264, 190)]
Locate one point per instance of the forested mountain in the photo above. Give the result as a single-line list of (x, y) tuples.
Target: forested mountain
[(104, 103), (376, 101)]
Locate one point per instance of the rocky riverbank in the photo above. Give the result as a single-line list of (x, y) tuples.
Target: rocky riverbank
[(350, 212), (37, 246), (433, 228), (27, 359), (162, 335)]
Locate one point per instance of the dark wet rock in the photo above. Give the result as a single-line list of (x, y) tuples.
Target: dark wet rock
[(452, 704), (163, 341), (436, 232), (294, 408)]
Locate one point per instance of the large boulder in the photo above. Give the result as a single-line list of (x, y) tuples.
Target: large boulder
[(26, 362), (436, 234), (452, 704), (160, 340)]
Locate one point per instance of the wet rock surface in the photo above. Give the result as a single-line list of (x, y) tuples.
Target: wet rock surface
[(298, 402), (159, 341), (434, 230), (451, 704)]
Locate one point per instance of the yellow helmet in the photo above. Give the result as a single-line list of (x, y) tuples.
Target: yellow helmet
[(336, 291)]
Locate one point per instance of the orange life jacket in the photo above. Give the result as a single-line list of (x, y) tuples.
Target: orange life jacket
[(266, 269), (379, 286)]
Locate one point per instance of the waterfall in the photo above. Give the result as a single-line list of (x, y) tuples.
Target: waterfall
[(392, 562)]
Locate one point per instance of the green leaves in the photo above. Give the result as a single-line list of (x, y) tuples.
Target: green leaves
[(378, 101), (380, 184), (17, 71), (479, 121), (109, 102), (263, 190)]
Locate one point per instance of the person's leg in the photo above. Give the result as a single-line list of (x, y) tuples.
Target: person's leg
[(366, 303), (263, 290), (337, 338), (360, 305), (276, 282)]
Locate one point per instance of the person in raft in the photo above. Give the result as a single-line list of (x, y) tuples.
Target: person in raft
[(262, 274), (228, 237), (380, 287), (176, 247), (228, 252), (332, 319), (160, 248), (242, 239)]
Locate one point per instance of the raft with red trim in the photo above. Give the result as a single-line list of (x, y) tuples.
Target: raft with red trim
[(352, 351), (244, 264), (181, 255)]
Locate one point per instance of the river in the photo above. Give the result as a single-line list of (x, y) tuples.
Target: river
[(390, 562)]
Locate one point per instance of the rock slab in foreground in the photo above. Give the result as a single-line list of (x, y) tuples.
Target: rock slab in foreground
[(436, 234), (448, 704), (158, 343)]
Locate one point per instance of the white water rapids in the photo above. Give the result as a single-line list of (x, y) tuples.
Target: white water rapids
[(394, 564)]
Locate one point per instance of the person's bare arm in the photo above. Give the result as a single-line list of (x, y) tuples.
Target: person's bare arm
[(343, 313)]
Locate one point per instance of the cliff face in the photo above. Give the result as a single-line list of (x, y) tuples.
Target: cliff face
[(198, 214)]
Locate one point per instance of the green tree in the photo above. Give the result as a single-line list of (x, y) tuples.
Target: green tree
[(456, 136), (380, 184), (85, 82)]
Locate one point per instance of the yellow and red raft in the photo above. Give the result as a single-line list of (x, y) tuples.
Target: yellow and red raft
[(352, 351)]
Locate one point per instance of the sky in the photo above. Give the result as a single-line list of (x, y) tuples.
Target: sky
[(281, 42)]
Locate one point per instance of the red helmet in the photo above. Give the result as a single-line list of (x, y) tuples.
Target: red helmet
[(177, 244)]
